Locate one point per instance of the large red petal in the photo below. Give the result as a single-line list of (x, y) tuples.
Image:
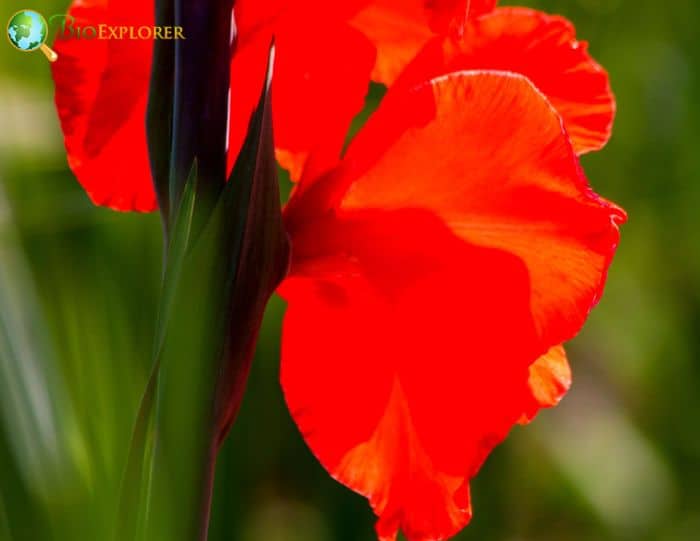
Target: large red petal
[(405, 360), (514, 183), (544, 49), (455, 245), (101, 93)]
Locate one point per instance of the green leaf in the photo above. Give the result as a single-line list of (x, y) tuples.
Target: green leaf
[(260, 250), (131, 513)]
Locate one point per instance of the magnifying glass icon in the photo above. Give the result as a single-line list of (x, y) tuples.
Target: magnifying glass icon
[(27, 31)]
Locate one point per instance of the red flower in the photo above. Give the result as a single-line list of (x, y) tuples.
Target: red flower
[(438, 264), (456, 243)]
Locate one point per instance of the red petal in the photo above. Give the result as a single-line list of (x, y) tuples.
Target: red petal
[(101, 92), (248, 66), (456, 244), (550, 379), (322, 69), (389, 365), (453, 14), (479, 7), (320, 85), (400, 28), (513, 183), (544, 49)]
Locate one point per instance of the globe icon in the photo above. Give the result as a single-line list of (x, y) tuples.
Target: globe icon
[(27, 31)]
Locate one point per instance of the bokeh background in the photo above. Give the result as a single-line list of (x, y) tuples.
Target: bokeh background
[(618, 460)]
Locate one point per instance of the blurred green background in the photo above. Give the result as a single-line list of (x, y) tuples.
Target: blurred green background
[(618, 460)]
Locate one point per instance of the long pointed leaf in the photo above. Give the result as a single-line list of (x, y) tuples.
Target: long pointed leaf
[(261, 252), (135, 477)]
